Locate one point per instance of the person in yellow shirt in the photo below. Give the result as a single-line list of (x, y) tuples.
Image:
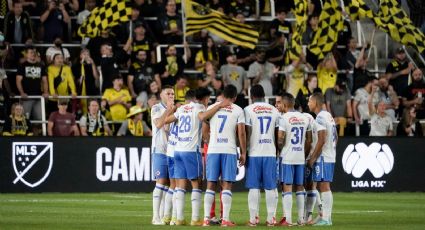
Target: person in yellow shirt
[(327, 73), (180, 89), (295, 76), (17, 124), (118, 100), (135, 125), (208, 53), (61, 80)]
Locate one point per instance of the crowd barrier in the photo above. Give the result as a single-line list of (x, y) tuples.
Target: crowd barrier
[(124, 165)]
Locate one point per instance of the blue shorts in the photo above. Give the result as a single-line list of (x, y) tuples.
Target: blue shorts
[(308, 175), (159, 166), (261, 173), (323, 172), (170, 162), (187, 165), (292, 174), (221, 164)]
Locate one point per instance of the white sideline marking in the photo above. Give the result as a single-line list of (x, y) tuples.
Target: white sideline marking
[(358, 211)]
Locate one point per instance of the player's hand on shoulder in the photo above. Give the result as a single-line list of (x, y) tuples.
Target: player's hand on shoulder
[(225, 103)]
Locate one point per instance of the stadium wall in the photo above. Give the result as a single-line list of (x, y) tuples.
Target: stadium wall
[(124, 165)]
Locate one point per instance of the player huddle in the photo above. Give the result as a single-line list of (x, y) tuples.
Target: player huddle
[(300, 157)]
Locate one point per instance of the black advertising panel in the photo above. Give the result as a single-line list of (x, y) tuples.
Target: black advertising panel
[(88, 164)]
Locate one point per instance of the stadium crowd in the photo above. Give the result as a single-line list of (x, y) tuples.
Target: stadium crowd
[(122, 74)]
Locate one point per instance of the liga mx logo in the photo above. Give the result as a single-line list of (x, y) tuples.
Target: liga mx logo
[(32, 162), (359, 158)]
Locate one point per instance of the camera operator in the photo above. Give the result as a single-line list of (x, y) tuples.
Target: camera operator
[(54, 20)]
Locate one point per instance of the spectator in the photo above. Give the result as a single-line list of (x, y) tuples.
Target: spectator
[(143, 42), (360, 73), (61, 80), (135, 125), (262, 72), (385, 93), (361, 107), (71, 6), (244, 56), (327, 73), (398, 71), (241, 7), (140, 74), (338, 103), (83, 15), (17, 124), (170, 25), (94, 123), (380, 123), (414, 94), (31, 80), (208, 53), (108, 66), (276, 50), (312, 26), (55, 18), (180, 89), (232, 73), (170, 67), (349, 61), (279, 24), (344, 37), (17, 25), (62, 123), (57, 49), (118, 99), (95, 46), (3, 96), (409, 125), (309, 87), (295, 73)]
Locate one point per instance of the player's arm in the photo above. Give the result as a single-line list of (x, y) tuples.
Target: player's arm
[(242, 143), (160, 122), (280, 139), (171, 118), (205, 115), (206, 132), (321, 136), (248, 131), (307, 144)]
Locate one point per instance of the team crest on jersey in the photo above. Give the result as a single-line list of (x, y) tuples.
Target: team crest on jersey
[(187, 108), (262, 109), (32, 162)]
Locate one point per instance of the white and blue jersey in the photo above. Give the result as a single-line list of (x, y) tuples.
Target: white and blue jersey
[(172, 141), (187, 157), (159, 143), (263, 119), (222, 148)]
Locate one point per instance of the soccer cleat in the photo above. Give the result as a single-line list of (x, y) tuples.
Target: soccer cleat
[(300, 223), (225, 223), (271, 223), (283, 222), (180, 222), (215, 221), (166, 220), (173, 221), (251, 224), (157, 222), (323, 222), (196, 223), (206, 222), (257, 219)]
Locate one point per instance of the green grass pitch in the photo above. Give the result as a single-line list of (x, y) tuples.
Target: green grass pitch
[(133, 211)]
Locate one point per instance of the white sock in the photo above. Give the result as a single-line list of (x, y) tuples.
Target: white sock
[(287, 206), (174, 212), (196, 199), (180, 200), (327, 205), (168, 206), (226, 197), (258, 203), (271, 204), (253, 204), (309, 203), (156, 199), (162, 204), (209, 198), (300, 197), (318, 205)]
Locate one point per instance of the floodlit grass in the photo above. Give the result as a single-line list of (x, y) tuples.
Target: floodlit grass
[(133, 211)]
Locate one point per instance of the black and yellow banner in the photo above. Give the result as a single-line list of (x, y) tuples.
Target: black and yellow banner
[(199, 17), (331, 23), (109, 15), (301, 17)]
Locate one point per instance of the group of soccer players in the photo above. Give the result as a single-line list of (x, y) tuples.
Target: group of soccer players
[(306, 150)]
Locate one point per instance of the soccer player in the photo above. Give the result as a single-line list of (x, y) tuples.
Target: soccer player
[(322, 160), (159, 147), (226, 124), (261, 121), (295, 138), (187, 156)]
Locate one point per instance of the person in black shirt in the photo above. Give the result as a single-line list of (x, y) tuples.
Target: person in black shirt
[(142, 42), (398, 71), (413, 95), (108, 66), (279, 24), (31, 80), (170, 67), (170, 27), (139, 76), (241, 7)]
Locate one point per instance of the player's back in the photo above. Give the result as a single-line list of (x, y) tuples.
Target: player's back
[(189, 127), (223, 129), (159, 135), (295, 125), (325, 121), (263, 118)]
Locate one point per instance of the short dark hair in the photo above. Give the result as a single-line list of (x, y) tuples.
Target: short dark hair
[(230, 91), (257, 91), (164, 87), (190, 94), (288, 98), (318, 96), (202, 93)]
